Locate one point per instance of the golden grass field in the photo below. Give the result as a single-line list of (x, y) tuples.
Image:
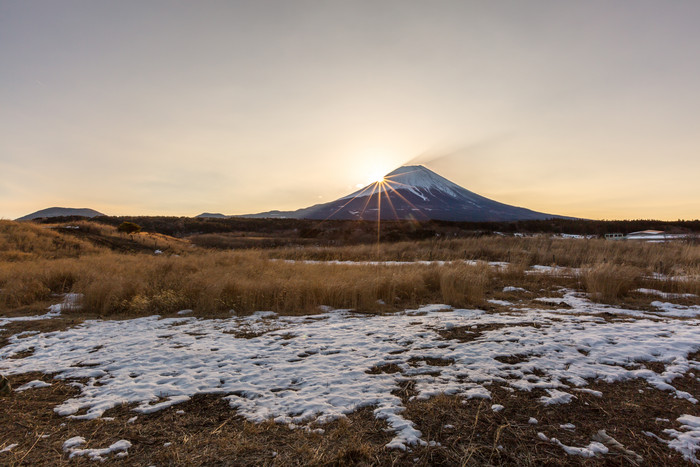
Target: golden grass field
[(119, 277), (38, 262)]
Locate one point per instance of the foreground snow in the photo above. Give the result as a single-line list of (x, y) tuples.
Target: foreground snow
[(315, 368)]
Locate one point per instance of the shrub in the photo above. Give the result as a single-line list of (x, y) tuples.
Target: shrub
[(609, 282)]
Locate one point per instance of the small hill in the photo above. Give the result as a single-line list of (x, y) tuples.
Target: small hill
[(61, 212), (216, 215)]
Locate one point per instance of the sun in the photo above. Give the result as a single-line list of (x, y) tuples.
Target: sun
[(376, 176)]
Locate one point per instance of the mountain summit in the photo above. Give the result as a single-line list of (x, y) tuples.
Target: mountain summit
[(413, 192)]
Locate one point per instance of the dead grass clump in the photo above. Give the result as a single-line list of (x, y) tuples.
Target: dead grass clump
[(608, 283), (465, 285)]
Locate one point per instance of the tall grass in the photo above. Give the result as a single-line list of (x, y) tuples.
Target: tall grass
[(216, 282), (610, 282), (666, 258), (35, 264)]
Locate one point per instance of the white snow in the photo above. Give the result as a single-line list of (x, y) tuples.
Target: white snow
[(497, 407), (33, 384), (71, 301), (554, 270), (678, 311), (665, 295), (589, 391), (568, 426), (416, 179), (510, 288), (686, 442), (185, 312), (302, 369), (591, 450), (499, 302), (532, 421), (120, 447), (73, 442), (556, 397), (9, 447)]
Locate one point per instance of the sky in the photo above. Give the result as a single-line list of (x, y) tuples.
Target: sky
[(586, 109)]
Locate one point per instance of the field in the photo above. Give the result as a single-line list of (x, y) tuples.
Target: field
[(448, 350)]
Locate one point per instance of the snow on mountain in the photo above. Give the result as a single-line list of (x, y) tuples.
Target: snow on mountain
[(415, 178), (413, 192)]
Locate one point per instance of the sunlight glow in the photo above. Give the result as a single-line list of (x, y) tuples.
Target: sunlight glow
[(377, 179)]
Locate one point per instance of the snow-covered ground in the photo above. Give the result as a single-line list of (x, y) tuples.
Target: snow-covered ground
[(315, 368)]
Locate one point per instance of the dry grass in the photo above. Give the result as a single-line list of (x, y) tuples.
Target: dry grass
[(40, 263), (36, 263), (667, 258), (218, 282), (610, 282), (21, 241), (468, 431)]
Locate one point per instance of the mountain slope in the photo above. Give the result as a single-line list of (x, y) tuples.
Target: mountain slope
[(413, 192), (61, 212)]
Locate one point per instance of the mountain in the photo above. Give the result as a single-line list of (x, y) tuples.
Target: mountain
[(61, 212), (213, 214), (413, 192)]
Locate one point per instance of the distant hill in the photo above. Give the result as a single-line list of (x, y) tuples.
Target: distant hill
[(61, 212), (413, 192), (213, 214)]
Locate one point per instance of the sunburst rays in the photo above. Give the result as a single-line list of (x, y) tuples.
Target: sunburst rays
[(373, 193)]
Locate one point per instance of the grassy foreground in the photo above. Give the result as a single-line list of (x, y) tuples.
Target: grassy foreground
[(39, 263), (120, 277)]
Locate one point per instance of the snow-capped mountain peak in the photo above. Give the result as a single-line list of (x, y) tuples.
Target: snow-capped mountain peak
[(418, 178), (413, 192)]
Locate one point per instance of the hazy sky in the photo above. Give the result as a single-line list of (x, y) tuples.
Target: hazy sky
[(583, 108)]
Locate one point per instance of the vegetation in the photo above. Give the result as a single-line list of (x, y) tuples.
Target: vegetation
[(216, 274), (334, 232), (123, 277), (129, 228)]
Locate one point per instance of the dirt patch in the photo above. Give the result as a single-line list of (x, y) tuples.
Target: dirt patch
[(512, 359), (431, 361), (385, 368), (468, 333), (656, 367), (473, 332), (243, 334), (202, 431), (207, 430), (471, 433), (406, 390)]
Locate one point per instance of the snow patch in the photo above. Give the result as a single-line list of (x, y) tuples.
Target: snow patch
[(593, 449), (303, 369), (120, 447), (9, 447), (33, 384)]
